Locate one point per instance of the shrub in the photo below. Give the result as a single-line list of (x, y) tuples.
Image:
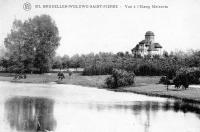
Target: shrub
[(187, 76), (110, 82), (181, 80), (193, 74), (120, 78), (164, 80)]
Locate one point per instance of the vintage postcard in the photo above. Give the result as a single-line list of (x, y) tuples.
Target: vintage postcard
[(99, 66)]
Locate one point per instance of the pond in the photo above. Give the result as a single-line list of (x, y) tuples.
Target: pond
[(70, 108)]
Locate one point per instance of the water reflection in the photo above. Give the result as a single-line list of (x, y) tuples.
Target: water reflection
[(146, 112), (139, 106), (67, 108), (30, 113)]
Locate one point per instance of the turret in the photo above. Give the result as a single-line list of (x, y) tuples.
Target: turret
[(149, 36)]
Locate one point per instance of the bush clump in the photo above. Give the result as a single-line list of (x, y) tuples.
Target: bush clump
[(120, 78), (186, 76), (164, 80)]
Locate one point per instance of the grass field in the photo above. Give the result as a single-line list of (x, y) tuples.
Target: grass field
[(76, 79), (147, 85)]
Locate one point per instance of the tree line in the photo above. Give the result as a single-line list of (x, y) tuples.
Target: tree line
[(103, 63)]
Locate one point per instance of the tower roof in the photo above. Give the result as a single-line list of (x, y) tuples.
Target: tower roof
[(149, 33)]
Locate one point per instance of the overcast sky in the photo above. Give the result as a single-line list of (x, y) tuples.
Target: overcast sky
[(112, 30)]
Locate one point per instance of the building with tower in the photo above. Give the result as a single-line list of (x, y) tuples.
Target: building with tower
[(148, 46)]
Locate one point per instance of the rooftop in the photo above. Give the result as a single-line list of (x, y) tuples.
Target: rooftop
[(149, 33)]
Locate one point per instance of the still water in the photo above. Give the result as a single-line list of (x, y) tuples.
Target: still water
[(69, 108)]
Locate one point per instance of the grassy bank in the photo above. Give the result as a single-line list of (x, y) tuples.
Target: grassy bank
[(76, 79), (191, 94), (144, 85)]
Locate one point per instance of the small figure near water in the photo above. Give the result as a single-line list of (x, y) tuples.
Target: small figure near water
[(19, 76), (61, 75)]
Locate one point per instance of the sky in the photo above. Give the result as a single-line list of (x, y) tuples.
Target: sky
[(112, 30)]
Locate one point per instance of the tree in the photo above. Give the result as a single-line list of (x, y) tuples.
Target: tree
[(165, 80), (14, 44), (32, 43), (57, 62), (165, 54), (194, 59), (75, 61), (65, 61)]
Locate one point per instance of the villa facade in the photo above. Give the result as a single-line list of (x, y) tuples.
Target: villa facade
[(148, 46)]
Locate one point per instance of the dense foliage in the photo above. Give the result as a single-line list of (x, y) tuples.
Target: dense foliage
[(103, 63), (31, 45), (166, 65), (120, 78), (186, 76)]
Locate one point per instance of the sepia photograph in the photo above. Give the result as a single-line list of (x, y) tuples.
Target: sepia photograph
[(99, 66)]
